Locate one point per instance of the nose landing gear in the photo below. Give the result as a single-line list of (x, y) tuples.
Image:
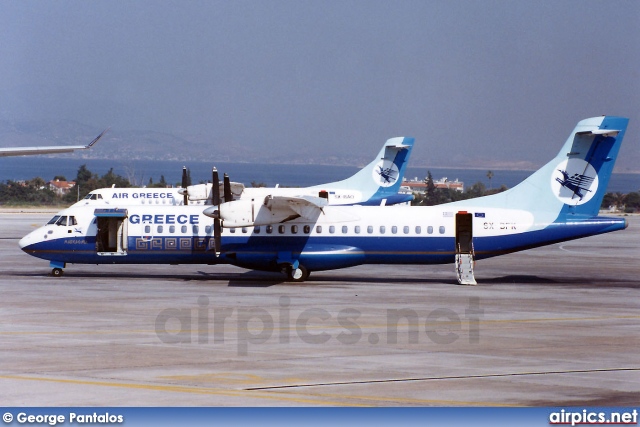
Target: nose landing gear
[(57, 268)]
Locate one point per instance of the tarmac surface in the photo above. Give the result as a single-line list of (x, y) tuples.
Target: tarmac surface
[(553, 326)]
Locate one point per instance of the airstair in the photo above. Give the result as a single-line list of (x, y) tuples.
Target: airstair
[(464, 267), (464, 248)]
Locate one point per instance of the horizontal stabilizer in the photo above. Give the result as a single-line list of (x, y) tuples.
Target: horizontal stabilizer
[(603, 132)]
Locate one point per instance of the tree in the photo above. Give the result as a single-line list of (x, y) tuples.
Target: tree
[(613, 201), (86, 181), (476, 190), (490, 175), (430, 192), (632, 202), (83, 176)]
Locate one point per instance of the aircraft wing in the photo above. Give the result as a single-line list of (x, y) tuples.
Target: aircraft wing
[(308, 207), (28, 151)]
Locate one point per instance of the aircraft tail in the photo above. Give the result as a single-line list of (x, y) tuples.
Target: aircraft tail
[(380, 180), (573, 184)]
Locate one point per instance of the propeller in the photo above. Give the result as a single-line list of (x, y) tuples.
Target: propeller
[(214, 211), (185, 184), (215, 200)]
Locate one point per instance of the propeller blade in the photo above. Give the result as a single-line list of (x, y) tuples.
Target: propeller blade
[(215, 190), (185, 184), (217, 235), (228, 197)]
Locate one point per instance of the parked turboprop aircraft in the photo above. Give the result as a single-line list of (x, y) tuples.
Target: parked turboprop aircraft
[(29, 151), (558, 202), (378, 183)]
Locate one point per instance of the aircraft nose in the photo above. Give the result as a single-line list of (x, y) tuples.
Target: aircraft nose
[(27, 241), (24, 242)]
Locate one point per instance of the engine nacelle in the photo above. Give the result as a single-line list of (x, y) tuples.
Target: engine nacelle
[(199, 192)]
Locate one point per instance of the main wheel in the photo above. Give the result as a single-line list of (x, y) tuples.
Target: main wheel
[(56, 272), (299, 274)]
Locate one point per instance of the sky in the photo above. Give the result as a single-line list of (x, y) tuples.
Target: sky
[(486, 83)]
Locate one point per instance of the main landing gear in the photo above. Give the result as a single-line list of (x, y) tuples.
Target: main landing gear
[(297, 275)]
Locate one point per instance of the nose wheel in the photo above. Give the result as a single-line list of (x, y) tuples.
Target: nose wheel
[(57, 272), (297, 275)]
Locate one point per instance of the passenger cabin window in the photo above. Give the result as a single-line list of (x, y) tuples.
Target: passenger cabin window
[(256, 229), (196, 229), (172, 229), (418, 229), (441, 229), (318, 229), (394, 230), (147, 229), (208, 229), (345, 229), (183, 229), (332, 229), (430, 230), (306, 229), (232, 230), (281, 229), (269, 229), (244, 230), (294, 229), (160, 229), (370, 229), (357, 229), (382, 229), (405, 229)]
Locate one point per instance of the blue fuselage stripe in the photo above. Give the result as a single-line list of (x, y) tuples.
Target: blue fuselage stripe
[(315, 252)]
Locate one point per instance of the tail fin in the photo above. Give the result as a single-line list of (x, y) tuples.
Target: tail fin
[(573, 184), (380, 180)]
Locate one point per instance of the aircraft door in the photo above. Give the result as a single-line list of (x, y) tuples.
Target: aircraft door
[(112, 232), (464, 249), (464, 233)]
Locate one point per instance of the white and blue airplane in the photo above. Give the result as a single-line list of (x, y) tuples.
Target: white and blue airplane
[(378, 183), (559, 202), (52, 149)]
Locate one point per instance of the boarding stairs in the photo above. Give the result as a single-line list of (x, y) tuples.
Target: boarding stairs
[(464, 266)]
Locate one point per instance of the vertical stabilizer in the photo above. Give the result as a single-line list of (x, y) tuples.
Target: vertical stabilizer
[(573, 184), (380, 180)]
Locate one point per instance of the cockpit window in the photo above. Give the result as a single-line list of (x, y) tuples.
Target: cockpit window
[(62, 221), (54, 220), (93, 196)]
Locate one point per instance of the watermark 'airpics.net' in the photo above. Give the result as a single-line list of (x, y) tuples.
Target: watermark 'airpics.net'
[(254, 326)]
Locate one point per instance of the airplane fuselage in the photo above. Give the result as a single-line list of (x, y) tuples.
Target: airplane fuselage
[(338, 238)]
